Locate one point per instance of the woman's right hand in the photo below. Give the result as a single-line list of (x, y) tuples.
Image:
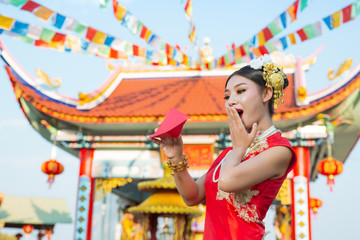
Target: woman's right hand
[(172, 147)]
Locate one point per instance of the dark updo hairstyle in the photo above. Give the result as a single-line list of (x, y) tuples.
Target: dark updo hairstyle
[(256, 76)]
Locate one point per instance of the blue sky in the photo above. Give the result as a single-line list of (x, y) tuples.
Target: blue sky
[(23, 150)]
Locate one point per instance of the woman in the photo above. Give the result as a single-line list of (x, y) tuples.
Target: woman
[(243, 181)]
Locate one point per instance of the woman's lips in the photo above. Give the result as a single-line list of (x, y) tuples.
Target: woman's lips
[(240, 112)]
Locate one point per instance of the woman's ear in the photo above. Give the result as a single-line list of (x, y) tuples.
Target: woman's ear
[(268, 93)]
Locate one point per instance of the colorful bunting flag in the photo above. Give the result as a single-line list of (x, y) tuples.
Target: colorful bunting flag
[(261, 38), (43, 12), (47, 35), (284, 43), (292, 38), (129, 21), (20, 28), (336, 19), (30, 6), (34, 32), (104, 3), (283, 19), (58, 20), (6, 22), (329, 22), (17, 3), (275, 26), (303, 4), (99, 37), (188, 9), (355, 10), (292, 11)]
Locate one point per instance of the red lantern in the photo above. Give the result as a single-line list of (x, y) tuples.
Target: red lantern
[(315, 203), (27, 229), (52, 168), (330, 167)]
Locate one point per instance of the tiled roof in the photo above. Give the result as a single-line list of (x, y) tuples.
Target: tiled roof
[(147, 98)]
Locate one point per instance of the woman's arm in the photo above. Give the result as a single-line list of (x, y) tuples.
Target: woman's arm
[(192, 192), (270, 164), (236, 175)]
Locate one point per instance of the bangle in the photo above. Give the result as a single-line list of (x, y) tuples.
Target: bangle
[(178, 167)]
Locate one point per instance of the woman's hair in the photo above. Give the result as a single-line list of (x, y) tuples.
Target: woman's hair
[(256, 76)]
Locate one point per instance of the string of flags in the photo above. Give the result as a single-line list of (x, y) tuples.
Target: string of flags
[(46, 38), (276, 26), (99, 43), (94, 42), (130, 21), (245, 52), (188, 13)]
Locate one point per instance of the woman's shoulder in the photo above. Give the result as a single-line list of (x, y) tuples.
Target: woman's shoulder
[(278, 140)]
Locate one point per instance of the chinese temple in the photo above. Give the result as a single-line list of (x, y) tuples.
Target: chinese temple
[(106, 129)]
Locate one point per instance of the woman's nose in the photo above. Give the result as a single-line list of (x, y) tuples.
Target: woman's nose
[(231, 101)]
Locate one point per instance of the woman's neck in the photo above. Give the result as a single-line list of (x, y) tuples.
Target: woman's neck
[(264, 124)]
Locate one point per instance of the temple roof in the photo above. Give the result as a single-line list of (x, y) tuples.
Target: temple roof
[(165, 203), (146, 97)]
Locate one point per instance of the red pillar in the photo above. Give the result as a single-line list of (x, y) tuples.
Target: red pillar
[(85, 196), (301, 224)]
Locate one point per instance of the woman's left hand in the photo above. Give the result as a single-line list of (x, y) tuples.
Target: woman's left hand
[(240, 137)]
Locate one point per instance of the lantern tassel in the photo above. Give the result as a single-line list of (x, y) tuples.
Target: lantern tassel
[(315, 212), (331, 182), (51, 180)]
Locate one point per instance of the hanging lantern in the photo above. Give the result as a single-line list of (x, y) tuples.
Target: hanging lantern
[(27, 229), (330, 167), (48, 233), (52, 168), (315, 203), (1, 197)]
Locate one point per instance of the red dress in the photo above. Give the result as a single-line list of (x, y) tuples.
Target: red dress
[(238, 216)]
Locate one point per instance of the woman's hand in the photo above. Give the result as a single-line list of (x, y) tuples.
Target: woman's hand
[(240, 137), (172, 147)]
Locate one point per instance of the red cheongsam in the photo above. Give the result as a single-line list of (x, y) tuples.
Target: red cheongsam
[(239, 216)]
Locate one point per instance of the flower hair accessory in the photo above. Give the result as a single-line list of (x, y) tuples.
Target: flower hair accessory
[(274, 77)]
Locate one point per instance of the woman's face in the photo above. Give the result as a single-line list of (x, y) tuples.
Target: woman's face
[(247, 98)]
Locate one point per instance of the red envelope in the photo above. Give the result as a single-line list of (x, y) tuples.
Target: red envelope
[(172, 125)]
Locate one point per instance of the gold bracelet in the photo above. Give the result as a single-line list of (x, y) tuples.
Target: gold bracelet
[(178, 167)]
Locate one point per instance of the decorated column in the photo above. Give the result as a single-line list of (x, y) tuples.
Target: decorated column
[(85, 196), (300, 195)]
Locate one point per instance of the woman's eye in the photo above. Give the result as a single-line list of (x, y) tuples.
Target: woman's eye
[(240, 91)]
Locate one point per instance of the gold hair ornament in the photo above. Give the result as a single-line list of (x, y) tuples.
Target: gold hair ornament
[(274, 77)]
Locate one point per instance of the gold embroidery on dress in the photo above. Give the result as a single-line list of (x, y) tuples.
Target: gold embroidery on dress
[(241, 200)]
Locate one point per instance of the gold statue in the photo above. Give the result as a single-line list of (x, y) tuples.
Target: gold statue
[(343, 68), (46, 79)]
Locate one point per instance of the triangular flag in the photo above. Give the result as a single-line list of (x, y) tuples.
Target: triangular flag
[(292, 11), (303, 4), (283, 19), (329, 22)]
